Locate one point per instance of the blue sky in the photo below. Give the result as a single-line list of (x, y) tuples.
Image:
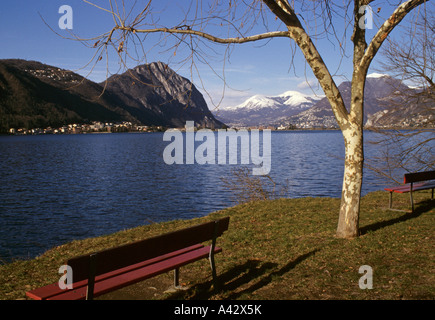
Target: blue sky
[(256, 68)]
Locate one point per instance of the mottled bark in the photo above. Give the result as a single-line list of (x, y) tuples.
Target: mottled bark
[(348, 221)]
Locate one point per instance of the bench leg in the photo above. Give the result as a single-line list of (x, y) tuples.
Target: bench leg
[(391, 200), (177, 278), (412, 201), (390, 206), (211, 256), (91, 278), (213, 270)]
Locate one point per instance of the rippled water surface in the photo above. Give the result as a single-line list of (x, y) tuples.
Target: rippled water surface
[(56, 188)]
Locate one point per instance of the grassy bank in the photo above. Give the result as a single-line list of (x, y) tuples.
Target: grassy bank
[(278, 249)]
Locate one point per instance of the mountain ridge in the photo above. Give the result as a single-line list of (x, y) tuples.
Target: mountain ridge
[(261, 109), (155, 84), (384, 107), (382, 98), (34, 94)]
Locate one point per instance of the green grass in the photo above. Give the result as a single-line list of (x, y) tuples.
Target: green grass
[(278, 249)]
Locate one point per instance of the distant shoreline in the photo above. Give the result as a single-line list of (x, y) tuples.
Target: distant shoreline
[(37, 131)]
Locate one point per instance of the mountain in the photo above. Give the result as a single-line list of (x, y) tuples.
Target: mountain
[(33, 94), (264, 110), (384, 106), (157, 89)]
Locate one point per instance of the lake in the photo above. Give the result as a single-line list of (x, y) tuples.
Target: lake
[(57, 188)]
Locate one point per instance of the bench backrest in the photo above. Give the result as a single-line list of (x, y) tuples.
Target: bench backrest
[(419, 176), (126, 255)]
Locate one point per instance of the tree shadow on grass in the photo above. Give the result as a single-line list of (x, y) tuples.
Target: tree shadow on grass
[(238, 276), (424, 206), (267, 279), (229, 280)]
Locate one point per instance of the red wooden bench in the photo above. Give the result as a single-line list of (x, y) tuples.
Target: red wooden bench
[(111, 269), (413, 182)]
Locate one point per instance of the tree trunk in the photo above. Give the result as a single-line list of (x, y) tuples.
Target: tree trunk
[(348, 222)]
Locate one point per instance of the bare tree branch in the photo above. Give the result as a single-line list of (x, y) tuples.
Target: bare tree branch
[(188, 31), (383, 32)]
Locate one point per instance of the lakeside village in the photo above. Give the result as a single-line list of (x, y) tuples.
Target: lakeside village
[(94, 127), (108, 127), (126, 126)]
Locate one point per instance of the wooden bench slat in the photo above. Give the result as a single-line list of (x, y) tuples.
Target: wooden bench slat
[(136, 275), (418, 176), (48, 291), (43, 292), (415, 187), (125, 255)]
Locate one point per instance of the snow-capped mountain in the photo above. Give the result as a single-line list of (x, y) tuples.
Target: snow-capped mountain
[(256, 102), (263, 110), (377, 75), (388, 102)]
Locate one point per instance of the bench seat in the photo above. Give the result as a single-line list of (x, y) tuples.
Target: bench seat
[(416, 181), (415, 187), (111, 269), (123, 277)]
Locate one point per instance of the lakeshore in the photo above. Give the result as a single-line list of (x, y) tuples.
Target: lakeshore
[(282, 249), (128, 127), (75, 186)]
